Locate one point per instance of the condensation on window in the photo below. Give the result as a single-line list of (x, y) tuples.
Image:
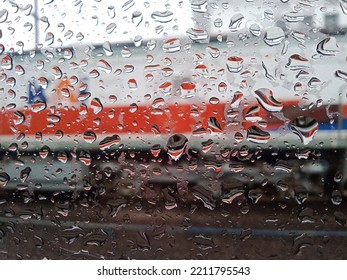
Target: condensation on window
[(195, 129)]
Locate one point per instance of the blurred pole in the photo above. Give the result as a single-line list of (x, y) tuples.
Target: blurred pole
[(37, 21), (35, 15)]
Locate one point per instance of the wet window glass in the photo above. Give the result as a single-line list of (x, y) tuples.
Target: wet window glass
[(191, 129)]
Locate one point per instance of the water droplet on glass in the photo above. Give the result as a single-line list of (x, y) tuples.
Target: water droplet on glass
[(343, 6), (149, 77), (269, 14), (301, 242), (127, 68), (24, 174), (107, 48), (49, 39), (235, 22), (62, 157), (137, 40), (214, 52), (133, 108), (27, 9), (340, 218), (137, 18), (294, 17), (231, 189), (111, 27), (40, 64), (11, 106), (13, 147), (126, 52), (94, 74), (149, 58), (256, 135), (267, 101), (68, 34), (203, 242), (57, 73), (300, 194), (282, 186), (151, 44), (43, 82), (38, 136), (96, 105), (142, 242), (234, 64), (236, 100), (199, 6), (89, 136), (7, 62), (68, 54), (132, 84), (214, 100), (197, 34), (162, 17), (207, 145), (252, 114), (85, 158), (297, 62), (176, 146), (44, 151), (4, 178), (172, 45), (167, 71), (83, 95), (328, 47), (59, 134), (166, 87), (205, 196), (20, 45), (3, 15), (128, 4), (18, 118), (336, 197), (201, 70), (38, 105), (104, 66), (169, 200), (45, 20), (11, 82), (281, 165), (341, 75), (109, 141), (213, 125), (28, 26), (238, 136), (95, 20), (255, 195), (53, 118), (314, 82), (274, 36), (245, 233), (305, 128), (188, 89), (218, 22), (111, 12), (155, 150), (255, 29)]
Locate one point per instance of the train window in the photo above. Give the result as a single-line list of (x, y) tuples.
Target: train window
[(198, 129)]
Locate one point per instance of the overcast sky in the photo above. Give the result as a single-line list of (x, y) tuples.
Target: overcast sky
[(96, 21)]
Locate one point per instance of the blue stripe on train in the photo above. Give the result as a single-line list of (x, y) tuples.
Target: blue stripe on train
[(329, 126), (333, 126)]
